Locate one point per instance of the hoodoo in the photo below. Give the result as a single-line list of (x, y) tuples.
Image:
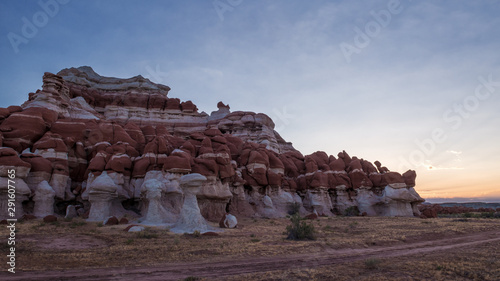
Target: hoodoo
[(108, 146)]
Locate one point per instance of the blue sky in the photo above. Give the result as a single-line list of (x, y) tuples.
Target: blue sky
[(414, 77)]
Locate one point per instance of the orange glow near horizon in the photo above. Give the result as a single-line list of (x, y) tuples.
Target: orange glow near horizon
[(456, 184)]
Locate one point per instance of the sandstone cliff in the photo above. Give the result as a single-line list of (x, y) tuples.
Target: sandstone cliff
[(95, 139)]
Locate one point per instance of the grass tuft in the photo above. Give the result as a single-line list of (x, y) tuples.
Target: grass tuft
[(372, 263), (299, 229)]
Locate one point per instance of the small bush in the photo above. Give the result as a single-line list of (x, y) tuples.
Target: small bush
[(77, 223), (191, 278), (299, 229), (467, 215), (255, 240), (129, 241), (293, 208), (351, 211), (146, 234), (99, 224), (487, 215), (372, 263), (197, 233)]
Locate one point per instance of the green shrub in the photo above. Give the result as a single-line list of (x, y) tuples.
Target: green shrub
[(372, 263), (299, 229), (487, 215), (351, 211), (467, 215), (293, 208), (197, 233)]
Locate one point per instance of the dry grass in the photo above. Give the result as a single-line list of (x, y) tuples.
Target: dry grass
[(477, 263), (110, 246)]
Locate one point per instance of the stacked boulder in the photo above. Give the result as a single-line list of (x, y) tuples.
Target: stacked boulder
[(114, 146)]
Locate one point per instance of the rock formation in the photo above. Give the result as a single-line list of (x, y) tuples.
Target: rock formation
[(228, 221), (44, 200), (120, 146), (190, 219), (102, 192)]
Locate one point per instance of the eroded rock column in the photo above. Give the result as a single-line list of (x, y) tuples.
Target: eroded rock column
[(152, 191), (44, 200), (191, 219), (102, 192)]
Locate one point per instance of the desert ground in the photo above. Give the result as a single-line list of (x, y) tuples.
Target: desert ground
[(345, 248)]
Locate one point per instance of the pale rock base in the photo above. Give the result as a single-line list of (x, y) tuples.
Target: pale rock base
[(44, 200), (191, 219)]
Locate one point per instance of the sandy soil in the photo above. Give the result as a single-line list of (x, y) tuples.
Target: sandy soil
[(231, 267)]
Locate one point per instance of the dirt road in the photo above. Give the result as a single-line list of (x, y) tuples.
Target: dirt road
[(178, 271)]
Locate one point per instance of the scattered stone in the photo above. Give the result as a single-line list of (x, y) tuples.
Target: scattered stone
[(210, 233), (71, 212), (123, 221), (228, 221), (136, 229), (50, 218), (429, 213), (111, 221), (126, 229), (28, 217)]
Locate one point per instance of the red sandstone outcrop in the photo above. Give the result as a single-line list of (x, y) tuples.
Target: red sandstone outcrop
[(81, 125)]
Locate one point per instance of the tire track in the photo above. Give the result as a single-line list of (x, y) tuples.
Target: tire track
[(176, 271)]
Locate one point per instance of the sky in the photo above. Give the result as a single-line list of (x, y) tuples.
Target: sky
[(413, 84)]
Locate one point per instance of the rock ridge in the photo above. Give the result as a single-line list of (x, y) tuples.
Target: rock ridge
[(123, 145)]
